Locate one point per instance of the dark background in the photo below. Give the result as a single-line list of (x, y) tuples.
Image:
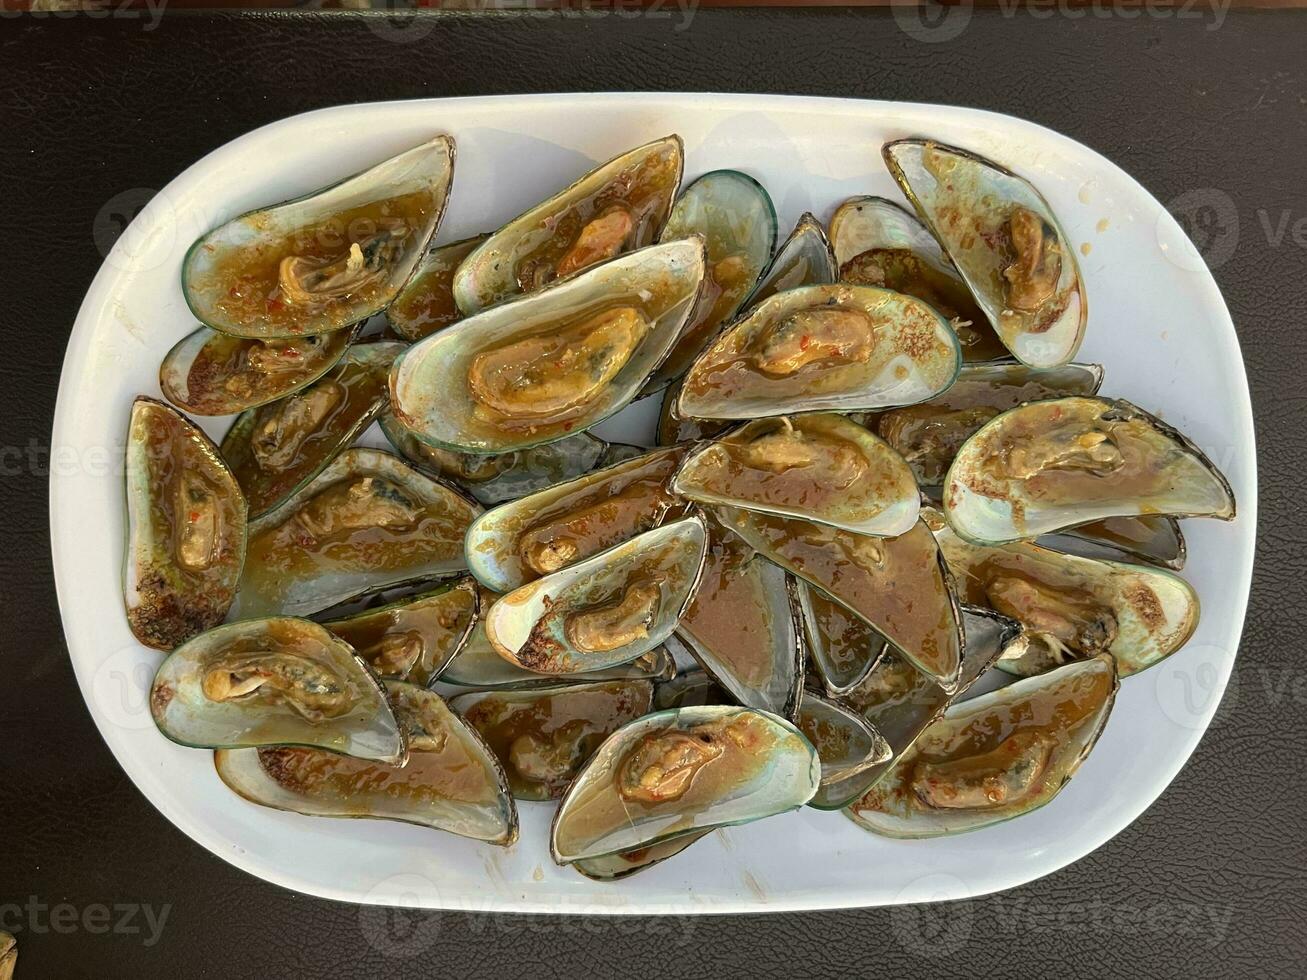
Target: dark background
[(1209, 882)]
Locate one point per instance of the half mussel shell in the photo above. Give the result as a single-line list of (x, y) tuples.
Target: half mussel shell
[(412, 639), (605, 610), (994, 757), (820, 467), (823, 348), (537, 535), (681, 772), (364, 524), (544, 736), (278, 681), (616, 208), (1051, 465), (185, 528), (277, 448), (450, 781), (553, 363), (325, 261), (1001, 235), (734, 216), (211, 373)]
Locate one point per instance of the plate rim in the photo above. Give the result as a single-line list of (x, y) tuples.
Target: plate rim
[(148, 781)]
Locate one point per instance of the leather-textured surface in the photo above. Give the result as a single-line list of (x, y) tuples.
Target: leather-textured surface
[(96, 111)]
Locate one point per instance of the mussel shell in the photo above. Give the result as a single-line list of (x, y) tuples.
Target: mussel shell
[(645, 178), (734, 216), (495, 479), (841, 645), (928, 435), (430, 389), (477, 665), (360, 378), (1157, 471), (689, 688), (966, 201), (780, 772), (898, 585), (878, 243), (672, 429), (899, 702), (418, 178), (168, 598), (291, 571), (619, 501), (427, 304), (457, 787), (571, 721), (846, 744), (913, 356), (741, 626), (529, 626), (1153, 611), (613, 867), (431, 627), (1069, 706), (881, 498), (185, 713), (805, 258), (1150, 539), (209, 373)]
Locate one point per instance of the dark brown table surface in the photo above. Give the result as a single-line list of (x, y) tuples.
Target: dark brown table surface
[(1211, 116)]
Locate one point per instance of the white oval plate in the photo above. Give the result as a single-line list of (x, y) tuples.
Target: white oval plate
[(1157, 322)]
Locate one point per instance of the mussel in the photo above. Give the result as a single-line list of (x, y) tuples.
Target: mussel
[(185, 528), (414, 638), (551, 364), (427, 304), (1050, 465), (277, 448), (616, 208), (366, 523), (823, 348), (605, 610), (211, 373), (278, 681), (821, 467), (734, 216), (877, 243), (1001, 235), (741, 625), (494, 479), (543, 736), (994, 757), (898, 585), (804, 259), (566, 523), (325, 261), (681, 772), (450, 781), (1073, 607)]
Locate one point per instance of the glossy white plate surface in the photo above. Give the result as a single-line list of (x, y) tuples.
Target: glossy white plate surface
[(1156, 321)]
